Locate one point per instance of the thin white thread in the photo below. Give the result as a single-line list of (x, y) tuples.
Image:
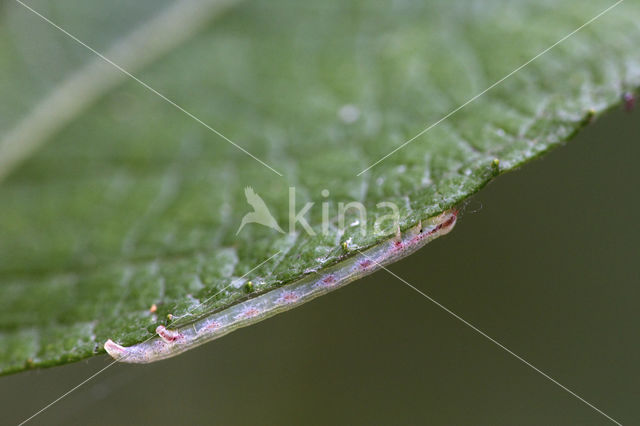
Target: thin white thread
[(492, 86), (67, 393), (115, 361), (494, 341), (232, 283), (383, 158), (145, 85)]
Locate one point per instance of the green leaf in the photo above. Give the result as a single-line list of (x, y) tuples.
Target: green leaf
[(113, 200)]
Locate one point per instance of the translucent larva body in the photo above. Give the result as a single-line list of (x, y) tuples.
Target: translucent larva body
[(172, 342)]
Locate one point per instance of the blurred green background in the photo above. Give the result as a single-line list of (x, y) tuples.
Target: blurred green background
[(545, 260)]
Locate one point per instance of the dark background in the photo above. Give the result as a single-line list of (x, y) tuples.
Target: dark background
[(545, 260)]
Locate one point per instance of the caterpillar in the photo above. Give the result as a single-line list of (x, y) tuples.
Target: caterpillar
[(169, 343)]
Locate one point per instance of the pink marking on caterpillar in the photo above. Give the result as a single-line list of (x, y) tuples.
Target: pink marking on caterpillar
[(248, 313), (328, 281), (169, 336), (365, 263), (209, 327), (288, 297), (217, 324), (447, 225)]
